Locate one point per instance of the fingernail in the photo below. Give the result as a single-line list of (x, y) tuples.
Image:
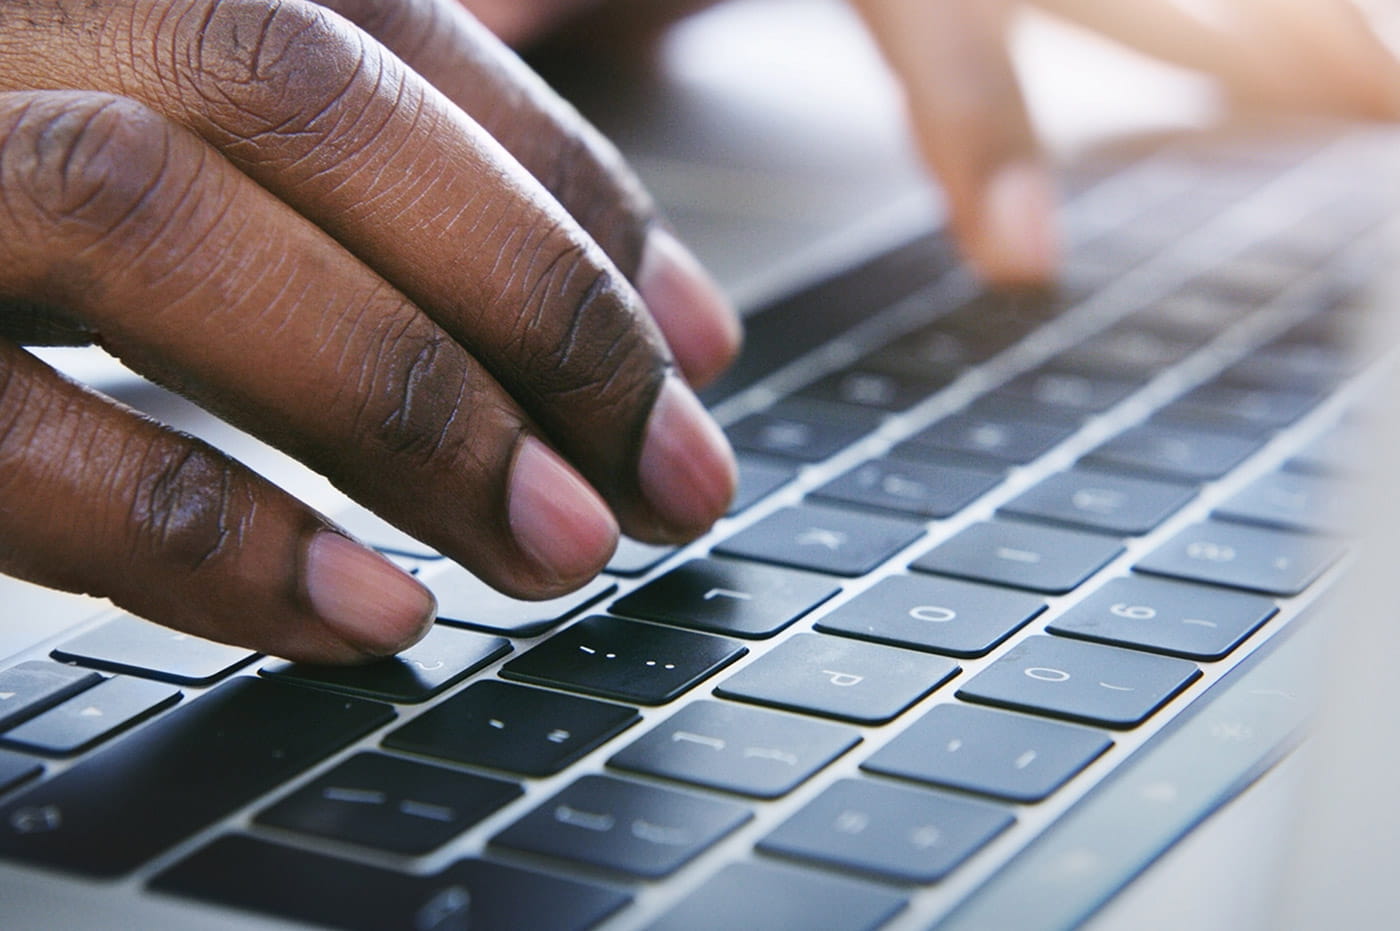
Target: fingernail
[(687, 470), (698, 321), (365, 598), (1018, 242), (556, 517)]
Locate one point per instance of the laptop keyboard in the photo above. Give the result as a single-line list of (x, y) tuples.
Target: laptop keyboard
[(992, 558)]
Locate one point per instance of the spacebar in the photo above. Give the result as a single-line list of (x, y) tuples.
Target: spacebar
[(113, 811), (1234, 732)]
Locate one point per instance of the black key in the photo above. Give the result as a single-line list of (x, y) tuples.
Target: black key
[(370, 528), (29, 688), (631, 662), (759, 478), (1341, 450), (1001, 406), (1174, 452), (1080, 681), (514, 728), (881, 391), (723, 746), (936, 352), (1274, 562), (140, 648), (1239, 408), (16, 768), (1127, 352), (118, 808), (907, 487), (996, 753), (1116, 504), (466, 601), (1166, 617), (823, 539), (939, 615), (892, 832), (640, 830), (633, 558), (762, 896), (726, 597), (1002, 440), (1042, 559), (1073, 391), (470, 895), (802, 432), (1294, 501), (441, 659), (1288, 365), (90, 718), (846, 679), (390, 804)]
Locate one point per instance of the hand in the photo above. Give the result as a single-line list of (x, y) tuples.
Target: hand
[(467, 322), (971, 121)]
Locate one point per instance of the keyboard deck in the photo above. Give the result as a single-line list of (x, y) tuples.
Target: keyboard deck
[(1000, 569)]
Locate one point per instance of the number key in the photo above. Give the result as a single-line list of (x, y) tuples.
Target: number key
[(1274, 562)]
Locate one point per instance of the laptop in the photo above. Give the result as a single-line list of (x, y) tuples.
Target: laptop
[(1023, 609)]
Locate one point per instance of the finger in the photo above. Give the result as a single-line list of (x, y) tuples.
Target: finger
[(341, 131), (192, 273), (101, 501), (575, 163), (971, 122), (1303, 54)]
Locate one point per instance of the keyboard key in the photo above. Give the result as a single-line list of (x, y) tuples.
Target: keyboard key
[(802, 432), (440, 660), (736, 749), (726, 597), (823, 539), (906, 487), (631, 662), (1002, 440), (88, 719), (1274, 562), (1174, 452), (140, 648), (1042, 559), (633, 558), (128, 802), (1115, 504), (1073, 391), (390, 804), (1001, 406), (640, 830), (1239, 408), (996, 753), (1080, 681), (938, 615), (891, 832), (245, 873), (514, 728), (1294, 501), (1340, 451), (1130, 353), (1166, 617), (838, 678), (758, 896), (34, 686), (466, 601), (16, 768), (881, 391), (759, 478)]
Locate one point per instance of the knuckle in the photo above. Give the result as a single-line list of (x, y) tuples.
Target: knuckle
[(281, 79), (420, 387), (82, 163), (191, 507)]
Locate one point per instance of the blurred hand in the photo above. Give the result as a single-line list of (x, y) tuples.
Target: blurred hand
[(420, 273), (971, 121)]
